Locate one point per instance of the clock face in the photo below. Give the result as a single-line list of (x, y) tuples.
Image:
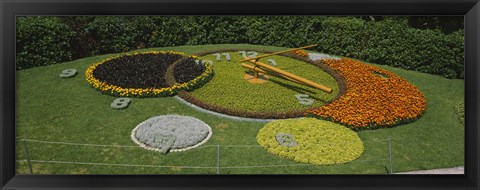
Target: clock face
[(235, 89)]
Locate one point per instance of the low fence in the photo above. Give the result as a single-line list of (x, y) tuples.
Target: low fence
[(215, 159)]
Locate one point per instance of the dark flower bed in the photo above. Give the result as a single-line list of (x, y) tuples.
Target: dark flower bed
[(187, 70), (147, 74), (137, 71)]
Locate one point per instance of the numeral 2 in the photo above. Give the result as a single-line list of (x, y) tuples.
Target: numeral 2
[(248, 54)]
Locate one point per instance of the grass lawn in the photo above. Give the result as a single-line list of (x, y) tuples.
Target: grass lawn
[(50, 108)]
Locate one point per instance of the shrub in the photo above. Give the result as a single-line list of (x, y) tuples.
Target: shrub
[(83, 44), (427, 51), (311, 141), (160, 31), (113, 33), (41, 41), (346, 36), (390, 40), (215, 30)]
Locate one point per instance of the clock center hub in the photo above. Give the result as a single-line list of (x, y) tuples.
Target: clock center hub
[(261, 78)]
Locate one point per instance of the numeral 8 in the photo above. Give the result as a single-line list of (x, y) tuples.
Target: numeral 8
[(120, 103)]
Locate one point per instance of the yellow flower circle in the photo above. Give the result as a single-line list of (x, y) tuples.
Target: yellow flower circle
[(311, 141)]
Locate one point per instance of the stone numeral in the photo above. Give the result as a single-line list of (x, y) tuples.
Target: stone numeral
[(204, 61), (120, 103), (285, 139), (67, 73), (304, 99), (165, 142), (219, 56), (272, 61), (248, 54)]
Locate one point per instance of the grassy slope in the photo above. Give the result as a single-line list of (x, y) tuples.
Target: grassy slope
[(68, 110)]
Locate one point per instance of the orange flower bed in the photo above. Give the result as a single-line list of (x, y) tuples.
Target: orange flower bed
[(300, 53), (374, 98)]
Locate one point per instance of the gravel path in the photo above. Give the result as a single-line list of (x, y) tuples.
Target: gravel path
[(455, 170)]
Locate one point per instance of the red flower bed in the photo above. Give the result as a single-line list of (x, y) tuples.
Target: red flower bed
[(374, 98)]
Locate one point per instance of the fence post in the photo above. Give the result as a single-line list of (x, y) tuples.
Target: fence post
[(28, 156), (390, 154), (218, 159)]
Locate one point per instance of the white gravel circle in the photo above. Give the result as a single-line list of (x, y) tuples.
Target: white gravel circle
[(321, 56), (189, 132)]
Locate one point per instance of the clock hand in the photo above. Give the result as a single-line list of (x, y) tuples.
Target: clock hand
[(266, 55), (291, 76)]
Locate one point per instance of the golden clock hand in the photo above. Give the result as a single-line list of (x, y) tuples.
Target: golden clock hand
[(293, 76), (266, 55), (257, 69)]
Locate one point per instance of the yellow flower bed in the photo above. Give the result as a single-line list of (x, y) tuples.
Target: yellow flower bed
[(317, 141), (144, 92)]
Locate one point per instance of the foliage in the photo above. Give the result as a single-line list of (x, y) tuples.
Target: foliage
[(273, 99), (84, 44), (139, 88), (113, 33), (41, 41), (460, 110), (445, 24), (390, 40), (374, 98), (318, 142)]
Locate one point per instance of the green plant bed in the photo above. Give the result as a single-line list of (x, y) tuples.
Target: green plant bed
[(310, 140), (229, 92)]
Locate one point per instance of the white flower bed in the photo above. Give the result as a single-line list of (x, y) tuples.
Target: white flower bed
[(320, 56), (188, 132)]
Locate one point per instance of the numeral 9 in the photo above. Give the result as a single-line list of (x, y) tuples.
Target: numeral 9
[(67, 73)]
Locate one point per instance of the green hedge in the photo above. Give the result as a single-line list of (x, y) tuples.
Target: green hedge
[(389, 40), (42, 41)]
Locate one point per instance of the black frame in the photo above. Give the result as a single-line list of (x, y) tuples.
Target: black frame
[(9, 9)]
